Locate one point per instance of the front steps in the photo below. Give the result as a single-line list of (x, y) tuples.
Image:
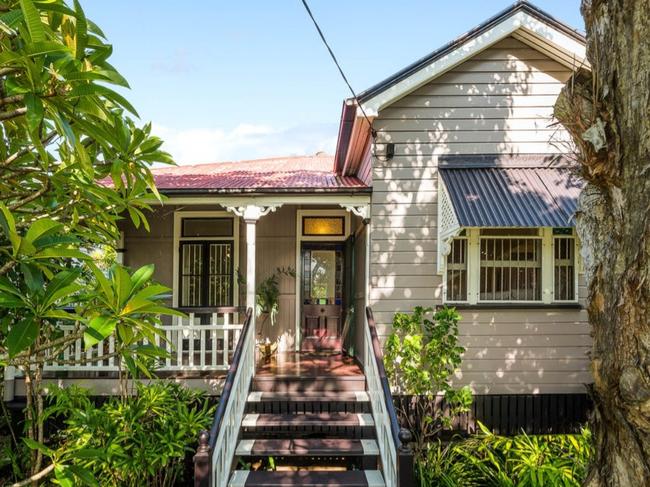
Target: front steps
[(358, 478), (307, 431)]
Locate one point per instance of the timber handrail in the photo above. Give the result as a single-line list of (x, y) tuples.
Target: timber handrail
[(203, 459), (400, 473), (388, 396), (230, 379)]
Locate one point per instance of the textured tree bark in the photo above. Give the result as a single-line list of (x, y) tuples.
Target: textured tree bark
[(607, 112)]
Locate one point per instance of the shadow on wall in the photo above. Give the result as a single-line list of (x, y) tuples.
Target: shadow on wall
[(499, 102)]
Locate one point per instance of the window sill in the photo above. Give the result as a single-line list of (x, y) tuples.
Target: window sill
[(515, 306)]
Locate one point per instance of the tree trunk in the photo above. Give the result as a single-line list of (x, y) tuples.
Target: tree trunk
[(607, 112)]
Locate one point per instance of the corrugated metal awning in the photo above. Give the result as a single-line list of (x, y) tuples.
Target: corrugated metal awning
[(513, 197)]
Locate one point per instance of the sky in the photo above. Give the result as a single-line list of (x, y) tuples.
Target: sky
[(245, 79)]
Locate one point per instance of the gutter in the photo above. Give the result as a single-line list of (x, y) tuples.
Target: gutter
[(348, 114), (249, 191)]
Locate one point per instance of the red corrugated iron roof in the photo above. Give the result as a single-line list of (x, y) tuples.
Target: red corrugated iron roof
[(276, 174)]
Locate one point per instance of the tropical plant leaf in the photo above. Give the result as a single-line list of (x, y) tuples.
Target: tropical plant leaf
[(22, 335), (33, 20), (98, 329)]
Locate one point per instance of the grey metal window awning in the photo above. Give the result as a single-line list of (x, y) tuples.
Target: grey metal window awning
[(511, 197)]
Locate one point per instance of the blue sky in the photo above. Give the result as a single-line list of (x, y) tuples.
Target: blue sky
[(230, 80)]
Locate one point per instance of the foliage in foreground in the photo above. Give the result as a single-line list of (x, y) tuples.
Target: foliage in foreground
[(488, 460), (421, 355), (72, 164), (141, 440)]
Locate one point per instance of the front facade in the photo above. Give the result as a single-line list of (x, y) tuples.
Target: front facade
[(450, 185)]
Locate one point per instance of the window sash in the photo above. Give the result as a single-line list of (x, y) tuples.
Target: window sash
[(550, 275), (564, 268), (206, 273), (514, 268)]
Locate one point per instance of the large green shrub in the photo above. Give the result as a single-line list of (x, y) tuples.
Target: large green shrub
[(489, 460), (137, 441), (421, 355)]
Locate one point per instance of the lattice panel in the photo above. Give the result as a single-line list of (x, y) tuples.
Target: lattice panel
[(448, 226)]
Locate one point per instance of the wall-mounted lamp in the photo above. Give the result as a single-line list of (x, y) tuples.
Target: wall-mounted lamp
[(390, 151)]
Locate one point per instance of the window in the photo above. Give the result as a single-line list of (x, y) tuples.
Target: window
[(206, 261), (206, 274), (457, 271), (527, 265), (564, 268), (511, 269), (207, 227), (330, 226)]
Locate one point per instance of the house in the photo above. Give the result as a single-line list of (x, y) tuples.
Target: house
[(451, 184)]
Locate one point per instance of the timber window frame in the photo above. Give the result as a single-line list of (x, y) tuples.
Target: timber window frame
[(496, 259), (232, 241)]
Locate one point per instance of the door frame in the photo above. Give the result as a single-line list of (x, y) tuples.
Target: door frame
[(300, 238)]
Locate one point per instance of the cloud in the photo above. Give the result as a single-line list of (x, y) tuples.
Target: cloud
[(245, 141)]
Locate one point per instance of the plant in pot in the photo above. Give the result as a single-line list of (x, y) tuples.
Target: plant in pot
[(267, 306)]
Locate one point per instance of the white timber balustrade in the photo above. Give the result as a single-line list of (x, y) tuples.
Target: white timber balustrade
[(396, 456), (204, 340)]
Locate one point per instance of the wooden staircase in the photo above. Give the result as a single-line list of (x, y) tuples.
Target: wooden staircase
[(318, 420), (307, 431)]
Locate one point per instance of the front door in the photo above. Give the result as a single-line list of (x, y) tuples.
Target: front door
[(322, 297)]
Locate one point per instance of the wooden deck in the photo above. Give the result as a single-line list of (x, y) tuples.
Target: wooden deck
[(309, 364)]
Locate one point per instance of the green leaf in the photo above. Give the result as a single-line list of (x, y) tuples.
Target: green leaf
[(64, 476), (84, 475), (22, 335), (35, 445), (104, 284), (122, 284), (33, 19), (34, 113), (61, 285), (42, 228), (142, 275), (99, 328), (53, 253), (98, 90), (81, 31), (9, 227)]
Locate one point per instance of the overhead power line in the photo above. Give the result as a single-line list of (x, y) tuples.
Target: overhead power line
[(354, 95)]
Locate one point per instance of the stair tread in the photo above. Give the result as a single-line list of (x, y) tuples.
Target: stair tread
[(306, 447), (313, 383), (252, 420), (316, 396), (307, 478)]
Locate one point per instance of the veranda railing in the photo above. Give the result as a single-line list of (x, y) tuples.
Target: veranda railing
[(205, 340)]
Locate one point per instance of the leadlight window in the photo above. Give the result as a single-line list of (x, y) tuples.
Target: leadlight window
[(323, 226)]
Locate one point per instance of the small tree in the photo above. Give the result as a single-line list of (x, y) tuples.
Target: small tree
[(421, 355), (72, 163)]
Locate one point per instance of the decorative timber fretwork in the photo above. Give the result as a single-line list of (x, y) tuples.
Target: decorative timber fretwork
[(253, 212), (362, 211)]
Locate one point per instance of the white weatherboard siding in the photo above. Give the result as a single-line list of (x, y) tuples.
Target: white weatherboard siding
[(500, 101)]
